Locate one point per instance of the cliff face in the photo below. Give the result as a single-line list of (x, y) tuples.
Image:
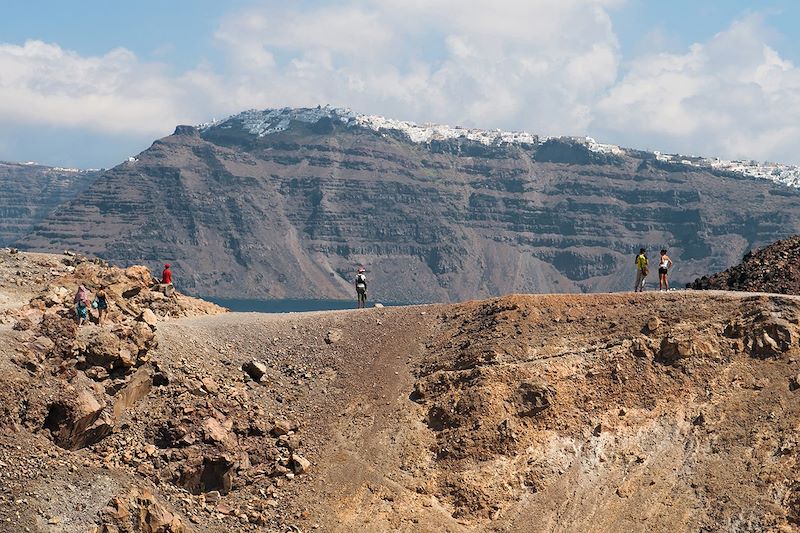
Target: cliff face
[(775, 269), (29, 192), (289, 209)]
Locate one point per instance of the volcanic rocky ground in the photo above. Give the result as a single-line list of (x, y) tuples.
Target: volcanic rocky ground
[(774, 268), (641, 412)]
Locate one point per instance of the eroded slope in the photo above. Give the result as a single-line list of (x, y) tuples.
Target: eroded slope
[(773, 268), (648, 412)]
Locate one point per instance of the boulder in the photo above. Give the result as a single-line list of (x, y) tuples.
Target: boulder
[(131, 292), (134, 391), (78, 420), (141, 512), (99, 347), (641, 348), (210, 385), (167, 290), (300, 464), (156, 295), (148, 317), (126, 357), (283, 426), (333, 336), (143, 336), (255, 369), (214, 431), (62, 331), (43, 345), (97, 373), (139, 275), (771, 339), (673, 350), (653, 323)]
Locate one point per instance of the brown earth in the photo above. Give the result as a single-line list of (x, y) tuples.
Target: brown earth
[(643, 412), (774, 268)]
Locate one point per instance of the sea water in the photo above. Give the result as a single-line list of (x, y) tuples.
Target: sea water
[(287, 306)]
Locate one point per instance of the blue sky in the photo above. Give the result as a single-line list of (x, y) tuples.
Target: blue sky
[(89, 86)]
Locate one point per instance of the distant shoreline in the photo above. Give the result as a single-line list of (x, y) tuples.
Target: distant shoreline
[(245, 305)]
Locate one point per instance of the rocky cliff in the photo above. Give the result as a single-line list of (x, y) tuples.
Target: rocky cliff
[(774, 268), (29, 192), (286, 203)]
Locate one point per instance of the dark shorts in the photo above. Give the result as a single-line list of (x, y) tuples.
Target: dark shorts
[(82, 311), (361, 293), (662, 271)]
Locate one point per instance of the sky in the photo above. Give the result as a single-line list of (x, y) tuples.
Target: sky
[(87, 84)]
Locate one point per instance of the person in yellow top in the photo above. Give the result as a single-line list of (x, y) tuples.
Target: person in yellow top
[(641, 270)]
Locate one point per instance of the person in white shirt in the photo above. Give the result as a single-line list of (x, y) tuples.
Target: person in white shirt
[(664, 264)]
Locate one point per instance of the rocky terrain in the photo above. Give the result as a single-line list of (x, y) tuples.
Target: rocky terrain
[(30, 192), (287, 203), (774, 268), (640, 412)]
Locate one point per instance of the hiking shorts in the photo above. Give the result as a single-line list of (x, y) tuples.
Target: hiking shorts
[(362, 295), (662, 271)]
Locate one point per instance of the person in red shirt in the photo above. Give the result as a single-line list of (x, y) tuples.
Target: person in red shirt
[(166, 276)]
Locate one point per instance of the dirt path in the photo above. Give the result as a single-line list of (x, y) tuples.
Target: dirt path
[(353, 418)]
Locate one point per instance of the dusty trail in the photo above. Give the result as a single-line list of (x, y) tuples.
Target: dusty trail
[(357, 421)]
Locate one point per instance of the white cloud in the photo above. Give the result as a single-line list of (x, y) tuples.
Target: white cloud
[(43, 84), (537, 62), (546, 66), (733, 96)]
